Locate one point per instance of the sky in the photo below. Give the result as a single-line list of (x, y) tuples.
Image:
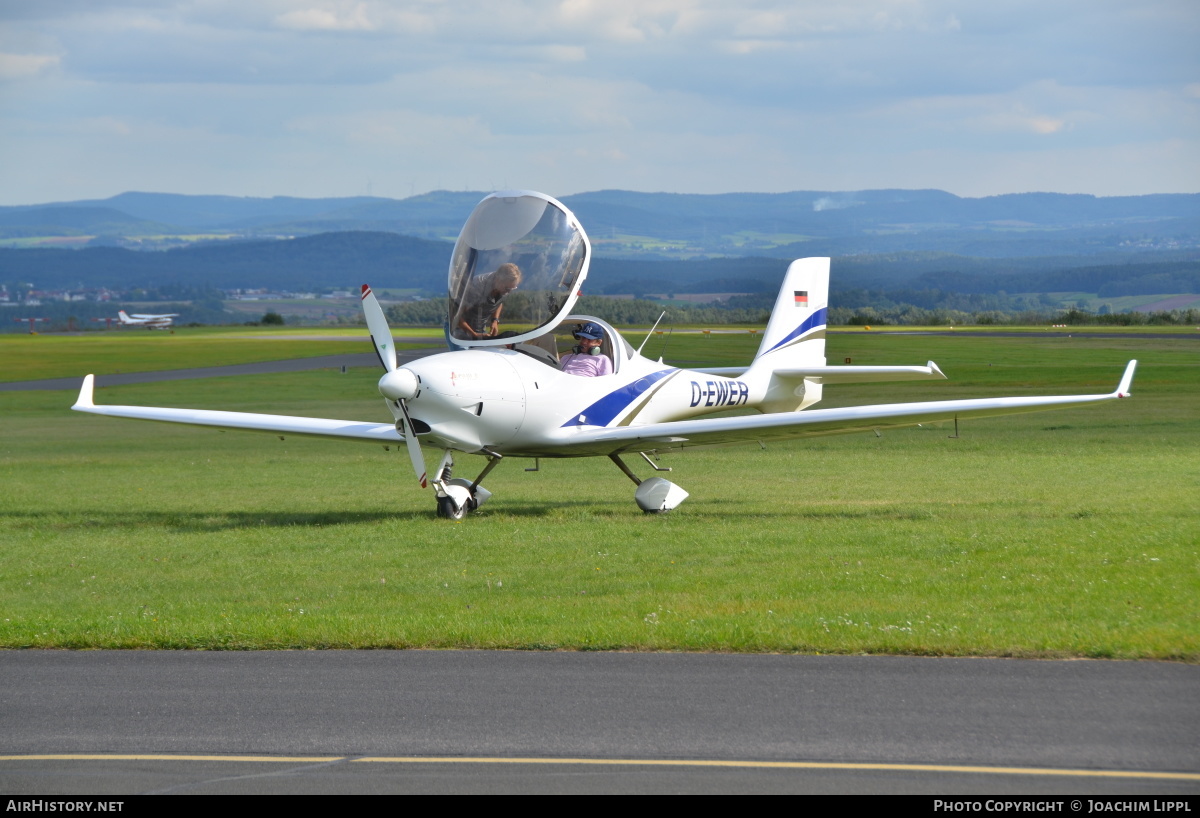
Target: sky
[(320, 98)]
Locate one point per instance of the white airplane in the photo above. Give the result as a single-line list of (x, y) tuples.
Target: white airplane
[(506, 396), (148, 321)]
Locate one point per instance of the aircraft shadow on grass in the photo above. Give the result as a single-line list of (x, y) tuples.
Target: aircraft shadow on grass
[(201, 521)]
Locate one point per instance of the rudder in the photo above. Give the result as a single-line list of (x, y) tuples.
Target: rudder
[(796, 331), (794, 339)]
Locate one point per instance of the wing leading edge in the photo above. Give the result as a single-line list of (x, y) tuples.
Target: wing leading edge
[(814, 422), (277, 424), (651, 437)]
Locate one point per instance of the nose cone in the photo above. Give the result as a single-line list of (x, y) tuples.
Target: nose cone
[(399, 384)]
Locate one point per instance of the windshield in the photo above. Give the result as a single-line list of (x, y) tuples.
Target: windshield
[(517, 267)]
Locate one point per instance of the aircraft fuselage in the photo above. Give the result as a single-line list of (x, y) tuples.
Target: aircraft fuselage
[(506, 402)]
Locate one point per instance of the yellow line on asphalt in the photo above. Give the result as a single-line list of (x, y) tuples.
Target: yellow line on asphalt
[(790, 765), (165, 757), (630, 762)]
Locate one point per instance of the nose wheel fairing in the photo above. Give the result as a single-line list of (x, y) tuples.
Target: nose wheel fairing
[(455, 495)]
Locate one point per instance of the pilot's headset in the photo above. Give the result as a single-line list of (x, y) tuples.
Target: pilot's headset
[(591, 331)]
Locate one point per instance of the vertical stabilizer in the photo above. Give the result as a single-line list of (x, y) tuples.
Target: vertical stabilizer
[(795, 338), (796, 331)]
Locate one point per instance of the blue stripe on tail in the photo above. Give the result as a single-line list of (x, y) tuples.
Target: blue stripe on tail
[(813, 322)]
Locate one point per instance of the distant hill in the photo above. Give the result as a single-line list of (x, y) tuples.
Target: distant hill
[(218, 212), (337, 260), (347, 259), (70, 220), (926, 248), (662, 226)]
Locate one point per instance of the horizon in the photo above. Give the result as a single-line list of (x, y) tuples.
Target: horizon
[(589, 192)]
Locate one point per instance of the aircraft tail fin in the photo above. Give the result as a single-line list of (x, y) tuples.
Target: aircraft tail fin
[(123, 316), (793, 345), (795, 334)]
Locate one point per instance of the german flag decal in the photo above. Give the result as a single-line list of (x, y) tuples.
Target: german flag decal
[(801, 298)]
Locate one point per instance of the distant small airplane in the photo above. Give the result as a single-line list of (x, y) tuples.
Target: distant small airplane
[(148, 321), (512, 394)]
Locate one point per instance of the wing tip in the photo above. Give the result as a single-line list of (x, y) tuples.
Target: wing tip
[(1126, 380), (86, 392)]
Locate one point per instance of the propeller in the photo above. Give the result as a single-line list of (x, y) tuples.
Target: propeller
[(381, 333), (399, 385)]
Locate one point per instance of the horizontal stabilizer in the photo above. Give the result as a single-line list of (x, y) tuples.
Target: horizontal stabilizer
[(863, 374), (723, 371)]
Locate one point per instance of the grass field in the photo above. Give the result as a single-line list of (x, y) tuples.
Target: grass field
[(1071, 533)]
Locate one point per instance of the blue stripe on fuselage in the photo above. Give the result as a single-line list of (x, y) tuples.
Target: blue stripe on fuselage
[(603, 411), (814, 321)]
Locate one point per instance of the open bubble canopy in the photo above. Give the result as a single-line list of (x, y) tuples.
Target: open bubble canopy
[(519, 260)]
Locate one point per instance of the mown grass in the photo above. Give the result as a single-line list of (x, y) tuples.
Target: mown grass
[(1059, 534)]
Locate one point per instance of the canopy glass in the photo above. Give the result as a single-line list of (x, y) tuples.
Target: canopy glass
[(517, 268)]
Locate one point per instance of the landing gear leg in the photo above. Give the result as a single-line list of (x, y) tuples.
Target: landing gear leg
[(493, 461), (621, 465)]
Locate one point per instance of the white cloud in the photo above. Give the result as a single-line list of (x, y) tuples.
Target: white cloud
[(19, 66), (1046, 124), (313, 96), (739, 47), (104, 125), (330, 17), (564, 53)]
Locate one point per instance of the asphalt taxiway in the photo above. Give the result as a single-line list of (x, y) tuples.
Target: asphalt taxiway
[(368, 359), (504, 721)]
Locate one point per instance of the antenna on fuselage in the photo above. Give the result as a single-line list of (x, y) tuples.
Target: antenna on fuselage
[(651, 332), (662, 353)]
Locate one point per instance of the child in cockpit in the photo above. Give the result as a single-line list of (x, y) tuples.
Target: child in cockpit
[(586, 359)]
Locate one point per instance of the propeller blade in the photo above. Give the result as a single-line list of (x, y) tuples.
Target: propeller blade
[(377, 325), (414, 447)]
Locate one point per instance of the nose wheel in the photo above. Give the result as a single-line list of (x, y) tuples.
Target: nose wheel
[(447, 509), (456, 496)]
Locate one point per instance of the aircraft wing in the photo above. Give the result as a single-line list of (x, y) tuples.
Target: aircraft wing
[(278, 424), (812, 422)]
